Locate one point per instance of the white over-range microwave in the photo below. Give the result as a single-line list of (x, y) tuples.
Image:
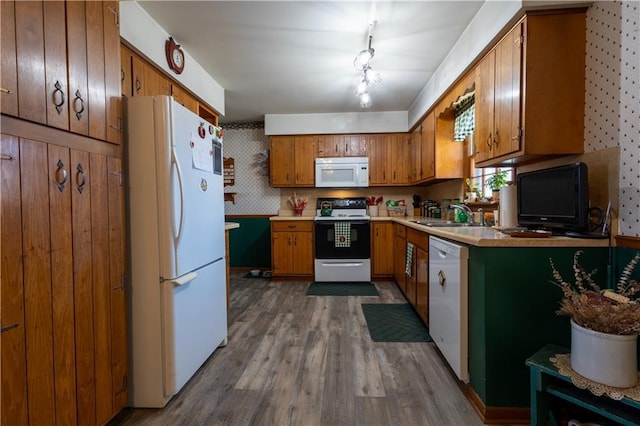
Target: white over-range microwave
[(342, 172)]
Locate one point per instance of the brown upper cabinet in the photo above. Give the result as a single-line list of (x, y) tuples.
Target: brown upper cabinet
[(63, 79), (388, 156), (292, 161), (530, 91), (184, 98), (342, 145)]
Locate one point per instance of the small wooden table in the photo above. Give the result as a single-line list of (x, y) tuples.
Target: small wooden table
[(547, 383)]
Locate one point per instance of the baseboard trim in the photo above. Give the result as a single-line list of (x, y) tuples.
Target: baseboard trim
[(497, 415)]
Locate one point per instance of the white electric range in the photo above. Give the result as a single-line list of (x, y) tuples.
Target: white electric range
[(342, 240)]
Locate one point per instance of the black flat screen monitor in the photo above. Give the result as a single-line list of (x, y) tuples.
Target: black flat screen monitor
[(556, 199)]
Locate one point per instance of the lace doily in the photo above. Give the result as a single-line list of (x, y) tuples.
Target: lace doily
[(563, 363)]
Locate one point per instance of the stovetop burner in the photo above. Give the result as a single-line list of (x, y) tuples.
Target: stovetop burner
[(343, 208)]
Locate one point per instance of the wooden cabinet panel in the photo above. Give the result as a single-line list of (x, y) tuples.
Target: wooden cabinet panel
[(355, 145), (382, 248), (292, 160), (8, 60), (304, 160), (378, 164), (14, 363), (422, 284), (485, 93), (101, 286), (398, 167), (184, 98), (97, 109), (117, 284), (55, 49), (508, 58), (281, 157), (29, 26), (416, 153), (83, 291), (126, 71), (62, 288), (37, 282), (399, 255), (292, 248), (428, 147), (112, 71), (77, 63), (330, 145), (302, 260)]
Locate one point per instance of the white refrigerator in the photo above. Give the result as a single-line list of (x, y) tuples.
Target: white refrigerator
[(175, 221)]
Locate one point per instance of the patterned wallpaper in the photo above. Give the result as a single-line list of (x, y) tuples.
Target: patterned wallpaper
[(247, 144), (612, 117), (612, 113)]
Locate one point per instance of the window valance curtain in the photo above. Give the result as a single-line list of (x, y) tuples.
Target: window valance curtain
[(465, 119)]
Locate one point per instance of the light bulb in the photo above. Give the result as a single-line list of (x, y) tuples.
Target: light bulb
[(362, 88), (363, 58), (372, 77), (365, 100)]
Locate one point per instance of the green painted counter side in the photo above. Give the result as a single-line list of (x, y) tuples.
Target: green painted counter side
[(512, 305), (250, 245)]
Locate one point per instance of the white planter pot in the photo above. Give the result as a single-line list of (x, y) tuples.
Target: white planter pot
[(609, 359), (373, 210)]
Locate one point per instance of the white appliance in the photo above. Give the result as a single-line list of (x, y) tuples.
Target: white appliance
[(342, 172), (342, 241), (175, 221), (448, 303)]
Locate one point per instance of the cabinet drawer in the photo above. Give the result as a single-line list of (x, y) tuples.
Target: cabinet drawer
[(400, 230), (418, 239), (292, 226)]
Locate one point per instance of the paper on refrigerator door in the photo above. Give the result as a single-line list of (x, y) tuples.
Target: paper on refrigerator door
[(201, 153)]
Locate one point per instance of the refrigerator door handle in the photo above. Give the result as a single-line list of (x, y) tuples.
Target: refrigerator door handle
[(174, 160), (185, 279)]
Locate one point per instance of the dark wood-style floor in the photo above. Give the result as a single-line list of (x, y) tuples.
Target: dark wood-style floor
[(294, 359)]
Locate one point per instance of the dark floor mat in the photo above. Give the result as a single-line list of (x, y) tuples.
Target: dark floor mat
[(342, 289), (394, 322)]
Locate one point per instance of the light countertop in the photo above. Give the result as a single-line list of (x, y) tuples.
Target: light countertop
[(481, 236), (231, 225)]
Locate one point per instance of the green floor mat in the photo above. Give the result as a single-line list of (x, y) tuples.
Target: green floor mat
[(342, 289), (396, 322)]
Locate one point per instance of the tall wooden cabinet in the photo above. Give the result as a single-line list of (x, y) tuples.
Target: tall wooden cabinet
[(64, 338), (64, 77), (530, 91)]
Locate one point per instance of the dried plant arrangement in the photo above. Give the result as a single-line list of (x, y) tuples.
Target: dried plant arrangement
[(612, 311)]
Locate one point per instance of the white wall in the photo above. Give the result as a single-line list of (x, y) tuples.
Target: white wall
[(139, 29), (353, 122)]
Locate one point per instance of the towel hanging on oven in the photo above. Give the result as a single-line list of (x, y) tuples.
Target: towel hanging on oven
[(342, 234)]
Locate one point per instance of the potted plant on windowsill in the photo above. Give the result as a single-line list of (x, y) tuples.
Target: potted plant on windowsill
[(495, 182), (604, 325)]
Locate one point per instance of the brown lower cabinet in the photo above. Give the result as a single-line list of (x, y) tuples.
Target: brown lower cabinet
[(417, 285), (400, 255), (292, 248), (381, 249), (64, 353)]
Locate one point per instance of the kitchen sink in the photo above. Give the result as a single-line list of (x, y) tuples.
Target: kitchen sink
[(446, 224)]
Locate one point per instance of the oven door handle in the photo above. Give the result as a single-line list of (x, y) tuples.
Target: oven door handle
[(333, 222), (342, 264)]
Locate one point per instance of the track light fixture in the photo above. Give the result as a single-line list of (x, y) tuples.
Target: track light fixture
[(369, 78)]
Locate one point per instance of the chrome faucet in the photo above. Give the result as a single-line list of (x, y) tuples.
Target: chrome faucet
[(466, 210)]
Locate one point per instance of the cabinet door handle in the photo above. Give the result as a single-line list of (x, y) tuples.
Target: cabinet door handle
[(75, 105), (81, 178), (138, 85), (9, 327), (5, 90), (61, 175), (496, 140), (58, 97), (489, 138)]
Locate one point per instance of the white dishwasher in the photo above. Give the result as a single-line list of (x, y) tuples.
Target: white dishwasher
[(448, 302)]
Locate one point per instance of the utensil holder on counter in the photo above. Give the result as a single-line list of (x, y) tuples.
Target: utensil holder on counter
[(373, 210)]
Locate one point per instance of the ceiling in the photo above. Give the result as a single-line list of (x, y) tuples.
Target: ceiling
[(296, 57)]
